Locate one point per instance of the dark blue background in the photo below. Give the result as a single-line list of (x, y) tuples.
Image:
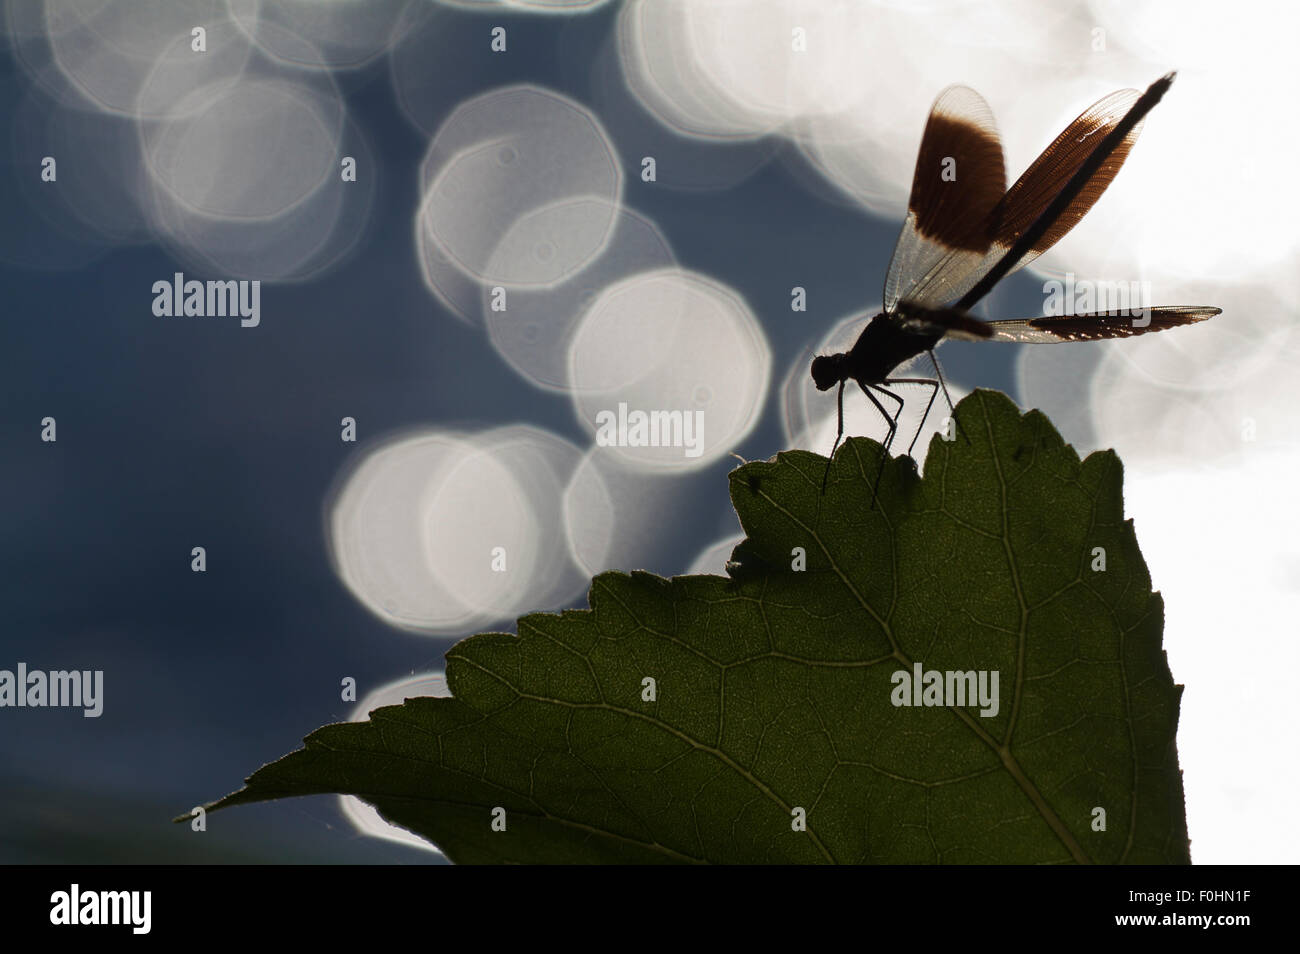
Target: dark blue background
[(173, 434)]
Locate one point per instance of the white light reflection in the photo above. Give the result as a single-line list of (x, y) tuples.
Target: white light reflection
[(509, 154), (97, 55), (1223, 547), (443, 532), (365, 817), (665, 73), (245, 176), (554, 6), (713, 559), (251, 150), (493, 525), (376, 539), (527, 6), (686, 163), (1179, 397), (852, 85), (535, 328), (320, 34), (236, 167), (670, 342)]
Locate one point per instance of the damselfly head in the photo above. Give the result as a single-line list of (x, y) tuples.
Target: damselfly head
[(826, 371)]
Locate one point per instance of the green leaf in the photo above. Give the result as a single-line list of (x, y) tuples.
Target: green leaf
[(775, 688)]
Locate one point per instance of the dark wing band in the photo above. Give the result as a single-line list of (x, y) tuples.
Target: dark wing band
[(1099, 325), (960, 177)]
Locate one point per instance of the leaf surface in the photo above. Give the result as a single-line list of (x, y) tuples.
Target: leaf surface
[(775, 687)]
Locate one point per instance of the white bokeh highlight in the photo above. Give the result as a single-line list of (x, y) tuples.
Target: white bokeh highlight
[(671, 341), (534, 329), (320, 34), (502, 187), (854, 100), (442, 532), (364, 817), (713, 559)]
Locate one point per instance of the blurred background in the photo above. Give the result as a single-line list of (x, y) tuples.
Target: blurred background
[(479, 224)]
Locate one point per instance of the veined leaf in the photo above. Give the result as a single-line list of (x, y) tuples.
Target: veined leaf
[(756, 718)]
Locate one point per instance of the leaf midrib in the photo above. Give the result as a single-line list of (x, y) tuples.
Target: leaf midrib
[(1001, 749)]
